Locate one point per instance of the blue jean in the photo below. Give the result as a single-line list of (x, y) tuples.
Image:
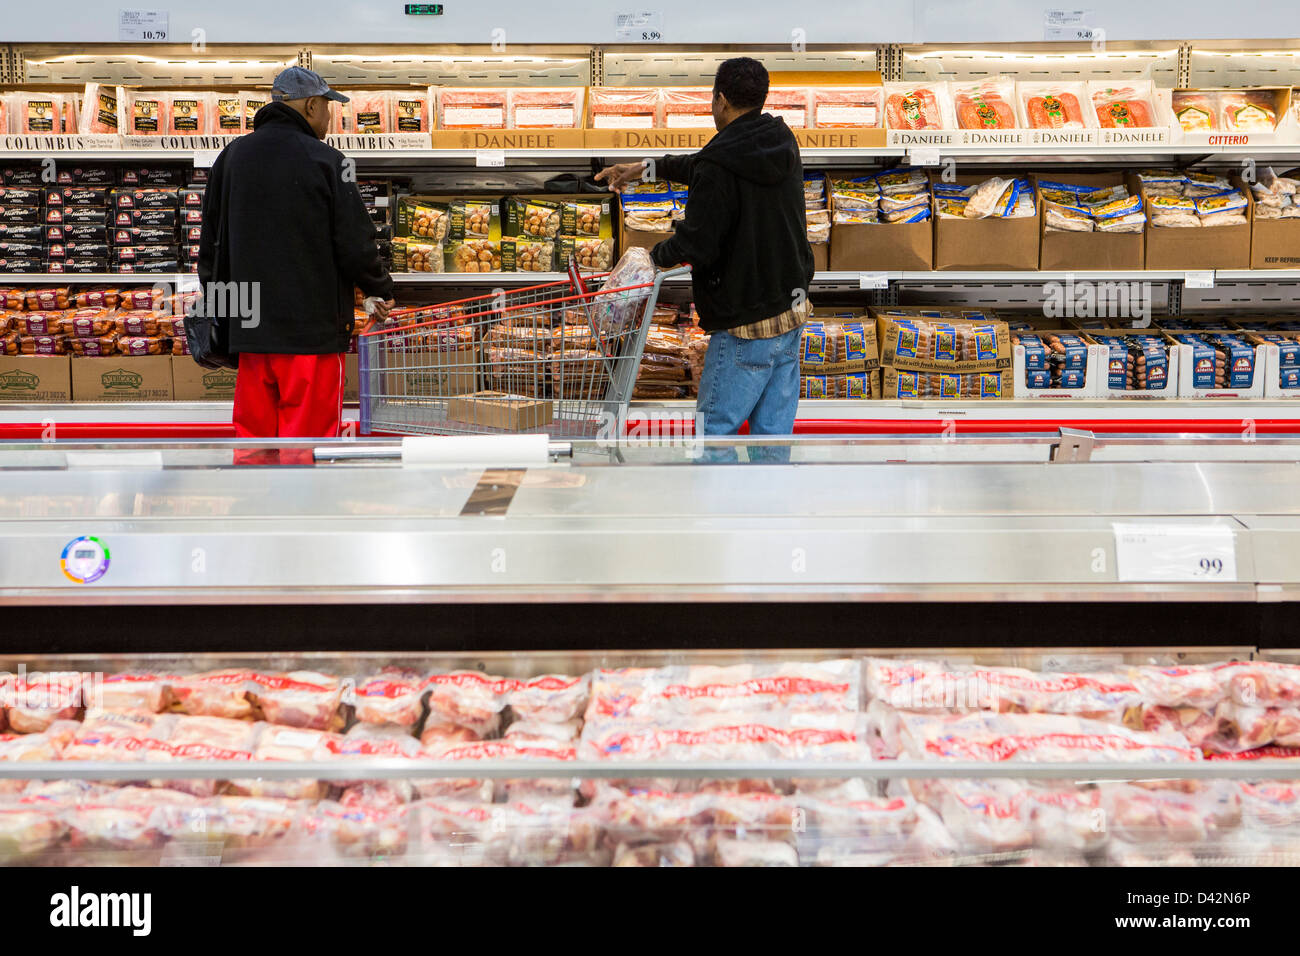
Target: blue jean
[(750, 379)]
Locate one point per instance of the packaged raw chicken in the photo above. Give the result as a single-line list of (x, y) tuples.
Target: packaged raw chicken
[(471, 109), (915, 107), (1196, 110), (984, 816), (282, 743), (1125, 107), (46, 745), (846, 107), (116, 736), (185, 738), (29, 830), (1195, 725), (687, 107), (625, 108), (37, 700), (986, 104), (1140, 815), (1262, 683), (468, 699), (1193, 685), (792, 104), (551, 698), (100, 111), (393, 696), (146, 111), (1269, 805), (299, 699), (545, 107), (1054, 105), (777, 735), (542, 732), (221, 693)]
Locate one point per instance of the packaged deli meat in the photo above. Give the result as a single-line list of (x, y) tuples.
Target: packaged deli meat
[(20, 196), (1053, 105), (687, 107), (36, 113), (545, 107), (910, 106), (250, 101), (625, 108), (847, 107), (145, 111), (149, 176), (471, 109), (189, 113), (392, 696), (226, 118), (368, 111), (985, 104), (1123, 107), (100, 110), (792, 104), (411, 112)]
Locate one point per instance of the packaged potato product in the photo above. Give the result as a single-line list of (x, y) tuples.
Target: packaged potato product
[(473, 219), (910, 106), (985, 104), (1054, 105), (146, 111), (1124, 107), (99, 110), (545, 107), (846, 107), (580, 218), (523, 254), (189, 113), (592, 255), (423, 218), (471, 109), (532, 217), (688, 107), (417, 255), (474, 255), (625, 108)]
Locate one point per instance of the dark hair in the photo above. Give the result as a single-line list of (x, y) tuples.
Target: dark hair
[(743, 81)]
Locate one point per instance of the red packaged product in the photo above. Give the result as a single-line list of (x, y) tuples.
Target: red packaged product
[(189, 114), (625, 108), (411, 111), (223, 693), (790, 103), (471, 109), (300, 699), (99, 109), (916, 108), (545, 108), (38, 113), (48, 297), (846, 107), (688, 107), (99, 297), (146, 113), (88, 323), (393, 696), (369, 112), (985, 105), (468, 699), (1122, 108)]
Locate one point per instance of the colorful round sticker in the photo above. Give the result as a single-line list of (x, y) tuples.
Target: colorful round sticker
[(84, 560)]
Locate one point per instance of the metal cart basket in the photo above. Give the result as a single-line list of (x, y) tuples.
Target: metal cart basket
[(556, 358)]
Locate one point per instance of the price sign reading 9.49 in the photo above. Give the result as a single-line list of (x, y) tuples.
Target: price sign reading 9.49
[(1189, 553)]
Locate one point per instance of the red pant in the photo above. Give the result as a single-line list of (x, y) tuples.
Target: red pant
[(288, 396)]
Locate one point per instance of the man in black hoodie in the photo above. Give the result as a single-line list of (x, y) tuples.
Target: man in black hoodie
[(745, 238), (285, 231)]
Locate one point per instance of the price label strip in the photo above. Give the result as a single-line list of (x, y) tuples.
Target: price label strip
[(873, 280), (1188, 553), (1199, 280), (490, 157)]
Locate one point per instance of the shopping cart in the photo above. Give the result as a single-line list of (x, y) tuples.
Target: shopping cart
[(558, 358)]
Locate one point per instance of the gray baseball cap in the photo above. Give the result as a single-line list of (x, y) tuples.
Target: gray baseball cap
[(298, 82)]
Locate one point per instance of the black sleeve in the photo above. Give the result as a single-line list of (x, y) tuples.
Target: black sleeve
[(678, 169), (355, 248), (212, 213), (710, 212)]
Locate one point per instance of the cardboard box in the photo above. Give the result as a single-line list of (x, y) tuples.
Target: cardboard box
[(821, 256), (1085, 251), (1094, 355), (986, 243), (1274, 243), (126, 378), (879, 247), (672, 140), (44, 379), (863, 351), (1190, 370), (897, 344), (1116, 366), (995, 386), (498, 410), (1192, 248), (1283, 131), (433, 374), (192, 382), (490, 139)]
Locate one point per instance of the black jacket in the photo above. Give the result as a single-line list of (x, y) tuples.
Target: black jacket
[(745, 234), (287, 217)]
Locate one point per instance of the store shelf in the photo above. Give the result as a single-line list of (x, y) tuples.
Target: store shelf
[(32, 278)]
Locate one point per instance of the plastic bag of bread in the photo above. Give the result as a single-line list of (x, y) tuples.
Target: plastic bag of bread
[(189, 113), (146, 112), (471, 109), (474, 255), (99, 110), (545, 107), (688, 107), (48, 297), (625, 108), (663, 391), (144, 345), (1124, 107), (522, 254), (846, 107), (1054, 105), (983, 199), (791, 104), (985, 104)]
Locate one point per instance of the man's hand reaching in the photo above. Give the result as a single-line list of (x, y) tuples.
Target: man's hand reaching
[(618, 176), (378, 309)]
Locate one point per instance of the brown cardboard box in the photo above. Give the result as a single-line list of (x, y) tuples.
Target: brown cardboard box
[(1192, 248), (840, 138), (1079, 251), (192, 382), (514, 413), (351, 379), (1275, 243), (126, 378), (673, 140), (812, 347), (433, 374), (987, 243), (879, 247), (821, 256), (35, 378), (488, 139), (997, 386), (895, 342)]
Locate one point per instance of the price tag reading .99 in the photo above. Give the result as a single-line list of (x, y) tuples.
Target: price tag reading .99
[(1196, 553)]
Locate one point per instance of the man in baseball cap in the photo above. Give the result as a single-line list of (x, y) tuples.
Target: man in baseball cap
[(284, 224)]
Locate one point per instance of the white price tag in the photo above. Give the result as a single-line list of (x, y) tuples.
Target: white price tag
[(490, 157), (138, 25), (644, 27), (1199, 280), (923, 157), (381, 202), (204, 158), (1068, 25), (1175, 553), (873, 280)]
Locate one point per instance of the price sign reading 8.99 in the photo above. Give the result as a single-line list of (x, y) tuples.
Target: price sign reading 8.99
[(643, 27), (1195, 553)]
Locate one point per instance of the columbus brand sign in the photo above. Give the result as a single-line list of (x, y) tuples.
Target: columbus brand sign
[(119, 379), (18, 381)]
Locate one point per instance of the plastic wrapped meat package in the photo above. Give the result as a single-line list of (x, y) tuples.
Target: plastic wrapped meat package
[(625, 108), (688, 107), (46, 745), (1124, 107), (37, 700), (507, 749), (368, 111), (471, 109), (918, 106), (292, 744), (411, 110), (100, 110), (182, 738), (872, 832), (985, 104), (221, 693), (1048, 105), (468, 699), (189, 113), (146, 111), (847, 107), (778, 735), (550, 698), (34, 113), (299, 699), (1197, 111), (545, 108), (791, 104), (392, 696)]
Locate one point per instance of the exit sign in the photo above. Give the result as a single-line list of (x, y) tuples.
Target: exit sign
[(424, 9)]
